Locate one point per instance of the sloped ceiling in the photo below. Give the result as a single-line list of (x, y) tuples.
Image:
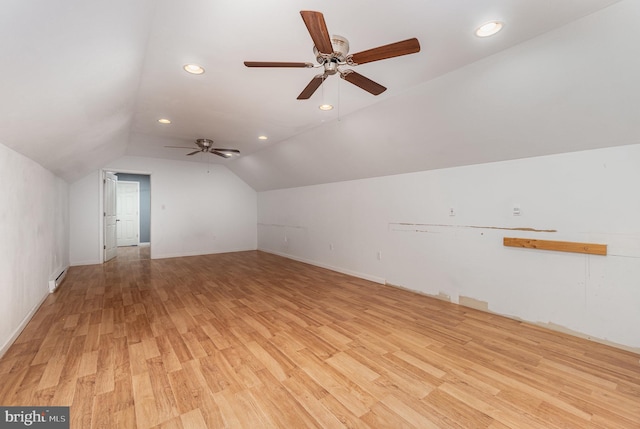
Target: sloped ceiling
[(83, 83)]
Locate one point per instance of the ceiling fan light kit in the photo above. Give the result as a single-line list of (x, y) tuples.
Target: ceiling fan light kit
[(332, 54)]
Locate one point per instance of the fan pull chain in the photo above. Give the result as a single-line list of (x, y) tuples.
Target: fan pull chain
[(339, 98)]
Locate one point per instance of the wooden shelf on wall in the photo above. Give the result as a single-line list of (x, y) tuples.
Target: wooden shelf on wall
[(560, 246)]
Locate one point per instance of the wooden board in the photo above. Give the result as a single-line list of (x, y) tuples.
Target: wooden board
[(560, 246)]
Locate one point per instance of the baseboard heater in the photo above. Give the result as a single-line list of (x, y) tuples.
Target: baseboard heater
[(57, 279)]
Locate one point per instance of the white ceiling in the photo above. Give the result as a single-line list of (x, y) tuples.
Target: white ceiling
[(84, 82)]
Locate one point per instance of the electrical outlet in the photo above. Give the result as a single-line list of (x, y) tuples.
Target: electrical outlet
[(379, 256), (331, 246), (516, 210), (452, 212)]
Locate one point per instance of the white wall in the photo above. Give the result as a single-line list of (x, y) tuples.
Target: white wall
[(195, 209), (589, 196), (34, 243)]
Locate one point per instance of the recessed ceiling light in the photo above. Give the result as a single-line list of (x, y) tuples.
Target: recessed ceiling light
[(489, 29), (164, 121), (325, 107), (193, 69), (262, 137)]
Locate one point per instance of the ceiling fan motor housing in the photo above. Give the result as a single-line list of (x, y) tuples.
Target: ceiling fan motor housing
[(340, 47), (204, 143)]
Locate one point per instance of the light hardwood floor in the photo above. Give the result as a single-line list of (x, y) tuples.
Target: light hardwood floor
[(253, 340), (133, 253)]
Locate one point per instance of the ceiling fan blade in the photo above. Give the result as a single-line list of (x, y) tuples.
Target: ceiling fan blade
[(363, 82), (181, 147), (276, 64), (318, 30), (222, 154), (226, 150), (409, 46), (311, 87), (194, 152)]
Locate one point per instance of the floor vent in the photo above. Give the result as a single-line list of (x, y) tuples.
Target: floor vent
[(55, 281)]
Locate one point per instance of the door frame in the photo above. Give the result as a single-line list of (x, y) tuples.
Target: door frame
[(101, 212)]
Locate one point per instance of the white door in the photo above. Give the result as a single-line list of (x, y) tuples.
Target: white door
[(110, 230), (128, 213)]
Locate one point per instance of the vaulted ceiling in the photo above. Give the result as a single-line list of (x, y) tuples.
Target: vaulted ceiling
[(84, 82)]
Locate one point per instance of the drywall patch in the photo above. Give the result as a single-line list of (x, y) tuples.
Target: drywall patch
[(467, 301), (484, 306), (562, 329), (440, 296), (443, 297)]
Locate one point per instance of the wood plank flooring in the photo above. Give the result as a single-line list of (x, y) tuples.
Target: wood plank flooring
[(252, 340)]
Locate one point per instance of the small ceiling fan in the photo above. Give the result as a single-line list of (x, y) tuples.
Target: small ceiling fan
[(206, 145), (332, 53)]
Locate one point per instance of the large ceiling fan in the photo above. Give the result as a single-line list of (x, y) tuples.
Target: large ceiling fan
[(332, 53), (206, 145)]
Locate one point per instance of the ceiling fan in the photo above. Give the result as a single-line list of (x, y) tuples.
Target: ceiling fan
[(206, 145), (332, 53)]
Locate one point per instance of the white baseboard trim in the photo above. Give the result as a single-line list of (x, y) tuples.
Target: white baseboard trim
[(341, 270), (16, 333), (88, 262)]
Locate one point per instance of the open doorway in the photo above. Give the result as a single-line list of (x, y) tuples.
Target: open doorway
[(132, 212)]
